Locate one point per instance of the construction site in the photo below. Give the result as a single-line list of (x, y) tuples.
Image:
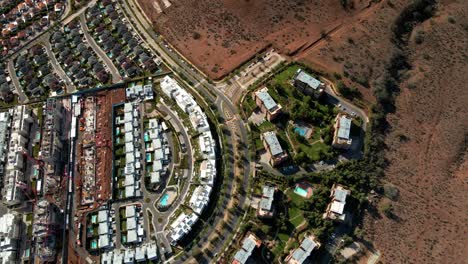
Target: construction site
[(92, 181)]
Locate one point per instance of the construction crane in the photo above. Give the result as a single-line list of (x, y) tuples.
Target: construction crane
[(36, 161), (27, 190)]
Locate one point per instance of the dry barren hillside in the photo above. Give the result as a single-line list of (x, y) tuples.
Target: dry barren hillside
[(219, 35), (427, 148), (427, 140), (426, 143)]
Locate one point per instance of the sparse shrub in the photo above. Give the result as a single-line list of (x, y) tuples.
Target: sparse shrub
[(337, 76), (419, 37), (451, 19), (411, 85), (386, 208), (391, 192)]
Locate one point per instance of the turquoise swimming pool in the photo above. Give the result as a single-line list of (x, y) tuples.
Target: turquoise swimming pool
[(94, 244), (301, 131), (164, 199), (300, 191), (148, 157), (147, 138)]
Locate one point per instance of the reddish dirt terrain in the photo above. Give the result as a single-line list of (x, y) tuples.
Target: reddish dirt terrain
[(427, 149), (428, 139), (358, 50), (426, 145), (219, 35)]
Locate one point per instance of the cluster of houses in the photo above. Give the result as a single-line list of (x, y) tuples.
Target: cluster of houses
[(78, 60), (308, 85), (6, 87), (15, 127), (201, 196), (35, 72), (335, 211), (131, 132), (104, 238), (119, 41), (157, 151), (127, 132), (251, 245), (134, 232), (145, 253), (21, 19)]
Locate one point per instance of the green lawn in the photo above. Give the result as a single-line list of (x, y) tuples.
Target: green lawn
[(296, 199), (296, 221), (294, 212), (314, 151), (266, 126)]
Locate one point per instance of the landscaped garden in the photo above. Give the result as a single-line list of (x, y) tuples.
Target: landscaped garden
[(295, 215), (304, 128)]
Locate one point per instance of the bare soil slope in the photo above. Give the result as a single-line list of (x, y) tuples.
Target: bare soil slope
[(219, 35), (427, 146)]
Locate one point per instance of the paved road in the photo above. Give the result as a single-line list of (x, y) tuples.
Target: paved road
[(78, 13), (18, 89), (71, 88), (110, 65), (345, 104), (224, 105)]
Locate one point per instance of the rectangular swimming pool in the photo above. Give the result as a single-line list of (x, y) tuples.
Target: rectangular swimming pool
[(301, 191)]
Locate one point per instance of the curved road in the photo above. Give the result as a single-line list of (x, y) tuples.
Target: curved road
[(110, 65), (224, 105)]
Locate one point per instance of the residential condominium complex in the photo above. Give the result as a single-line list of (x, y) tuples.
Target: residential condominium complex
[(341, 137), (267, 105), (308, 84), (132, 169), (157, 151), (248, 245), (265, 206), (18, 144), (335, 209), (10, 236), (200, 197), (300, 254), (273, 147), (182, 226), (105, 230), (139, 254)]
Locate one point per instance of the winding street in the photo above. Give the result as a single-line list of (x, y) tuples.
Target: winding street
[(71, 88), (18, 90), (110, 65)]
